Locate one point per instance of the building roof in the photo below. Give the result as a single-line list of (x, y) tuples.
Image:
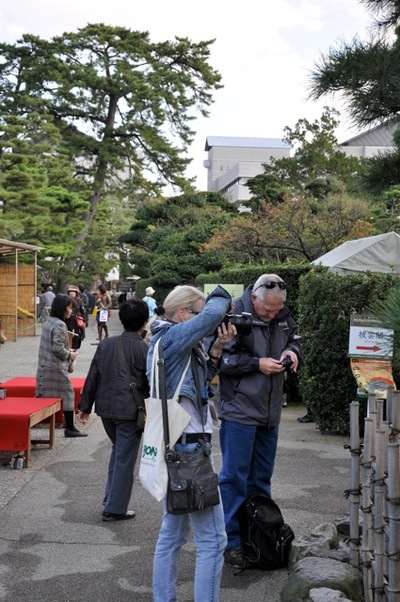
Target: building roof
[(380, 135), (10, 247), (237, 142)]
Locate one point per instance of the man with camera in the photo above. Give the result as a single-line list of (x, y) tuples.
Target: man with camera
[(251, 381)]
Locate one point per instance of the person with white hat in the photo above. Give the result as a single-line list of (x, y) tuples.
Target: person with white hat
[(152, 303)]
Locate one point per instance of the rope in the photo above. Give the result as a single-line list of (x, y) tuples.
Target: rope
[(355, 452), (348, 492)]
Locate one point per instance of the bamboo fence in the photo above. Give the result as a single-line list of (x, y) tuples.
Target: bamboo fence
[(375, 496)]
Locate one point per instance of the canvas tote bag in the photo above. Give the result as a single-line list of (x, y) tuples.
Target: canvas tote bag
[(153, 472)]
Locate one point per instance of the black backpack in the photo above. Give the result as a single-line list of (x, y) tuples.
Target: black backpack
[(266, 537)]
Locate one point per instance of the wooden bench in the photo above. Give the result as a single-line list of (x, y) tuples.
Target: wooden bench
[(17, 417), (24, 386)]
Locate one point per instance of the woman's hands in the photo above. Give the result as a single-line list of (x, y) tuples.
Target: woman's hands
[(73, 354), (226, 332)]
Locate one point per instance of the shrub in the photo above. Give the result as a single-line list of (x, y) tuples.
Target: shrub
[(326, 302)]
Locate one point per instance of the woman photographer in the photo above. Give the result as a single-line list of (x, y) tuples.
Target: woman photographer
[(189, 317)]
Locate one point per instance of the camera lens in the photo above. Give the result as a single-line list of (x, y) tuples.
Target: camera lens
[(242, 322)]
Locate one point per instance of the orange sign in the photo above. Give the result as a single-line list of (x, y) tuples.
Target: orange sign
[(372, 375)]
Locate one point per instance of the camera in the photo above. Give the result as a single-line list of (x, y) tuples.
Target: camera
[(243, 322), (287, 362)]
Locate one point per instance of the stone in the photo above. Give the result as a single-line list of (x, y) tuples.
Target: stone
[(325, 594), (310, 573), (328, 533)]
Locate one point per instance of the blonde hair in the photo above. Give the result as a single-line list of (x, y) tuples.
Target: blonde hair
[(181, 296)]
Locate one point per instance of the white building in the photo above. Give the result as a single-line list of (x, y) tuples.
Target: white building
[(232, 161)]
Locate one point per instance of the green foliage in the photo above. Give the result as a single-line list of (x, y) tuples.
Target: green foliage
[(382, 172), (117, 102), (317, 167), (326, 302), (367, 74), (167, 236), (387, 310)]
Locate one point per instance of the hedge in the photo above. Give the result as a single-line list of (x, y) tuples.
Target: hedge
[(326, 302)]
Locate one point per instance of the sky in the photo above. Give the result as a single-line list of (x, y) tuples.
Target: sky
[(263, 49)]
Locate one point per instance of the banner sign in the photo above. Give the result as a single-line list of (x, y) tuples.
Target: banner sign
[(372, 375), (370, 352), (369, 338)]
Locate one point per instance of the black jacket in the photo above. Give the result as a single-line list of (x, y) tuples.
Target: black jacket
[(107, 382), (246, 395)]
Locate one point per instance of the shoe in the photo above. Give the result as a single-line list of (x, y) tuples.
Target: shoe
[(235, 557), (76, 433), (306, 418), (109, 516)]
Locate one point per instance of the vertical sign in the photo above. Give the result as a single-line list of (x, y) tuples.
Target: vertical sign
[(370, 352)]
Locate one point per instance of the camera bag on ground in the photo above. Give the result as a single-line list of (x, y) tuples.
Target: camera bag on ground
[(266, 536)]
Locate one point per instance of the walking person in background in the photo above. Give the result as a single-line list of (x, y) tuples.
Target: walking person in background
[(55, 355), (130, 294), (108, 386), (47, 300), (87, 302), (103, 304), (152, 303), (250, 391), (188, 317)]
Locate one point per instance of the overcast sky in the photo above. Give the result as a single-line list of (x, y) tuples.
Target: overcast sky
[(264, 51)]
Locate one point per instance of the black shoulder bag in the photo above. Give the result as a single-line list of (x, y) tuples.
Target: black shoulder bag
[(192, 482), (141, 417)]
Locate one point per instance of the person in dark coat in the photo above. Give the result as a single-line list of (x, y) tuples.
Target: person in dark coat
[(251, 378), (55, 357), (118, 362), (76, 332)]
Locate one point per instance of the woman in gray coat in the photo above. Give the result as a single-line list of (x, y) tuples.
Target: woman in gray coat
[(52, 377)]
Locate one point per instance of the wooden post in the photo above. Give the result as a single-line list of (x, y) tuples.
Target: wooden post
[(355, 484), (367, 543), (379, 525), (393, 480)]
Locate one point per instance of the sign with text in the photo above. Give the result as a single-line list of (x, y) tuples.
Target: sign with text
[(235, 290), (369, 338)]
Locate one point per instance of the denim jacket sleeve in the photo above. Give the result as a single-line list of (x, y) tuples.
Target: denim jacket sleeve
[(180, 339)]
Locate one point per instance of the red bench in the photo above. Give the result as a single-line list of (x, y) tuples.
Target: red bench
[(18, 415), (24, 386)]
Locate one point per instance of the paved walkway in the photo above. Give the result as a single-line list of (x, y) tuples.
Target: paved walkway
[(55, 548)]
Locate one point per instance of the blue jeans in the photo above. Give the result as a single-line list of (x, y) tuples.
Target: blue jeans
[(125, 438), (248, 458), (210, 541)]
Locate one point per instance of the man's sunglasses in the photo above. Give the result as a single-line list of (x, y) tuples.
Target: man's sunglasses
[(271, 284)]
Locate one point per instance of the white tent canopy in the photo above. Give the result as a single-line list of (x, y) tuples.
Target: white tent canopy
[(379, 253)]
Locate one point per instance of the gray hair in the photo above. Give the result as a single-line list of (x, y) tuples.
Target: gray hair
[(261, 292), (181, 296)]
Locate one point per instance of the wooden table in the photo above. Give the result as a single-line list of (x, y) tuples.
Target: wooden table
[(18, 415), (24, 386)]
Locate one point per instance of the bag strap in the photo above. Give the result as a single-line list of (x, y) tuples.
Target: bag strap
[(158, 359), (132, 384), (199, 405)]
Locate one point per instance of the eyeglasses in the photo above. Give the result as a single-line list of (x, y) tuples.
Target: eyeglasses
[(269, 284), (192, 311)]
